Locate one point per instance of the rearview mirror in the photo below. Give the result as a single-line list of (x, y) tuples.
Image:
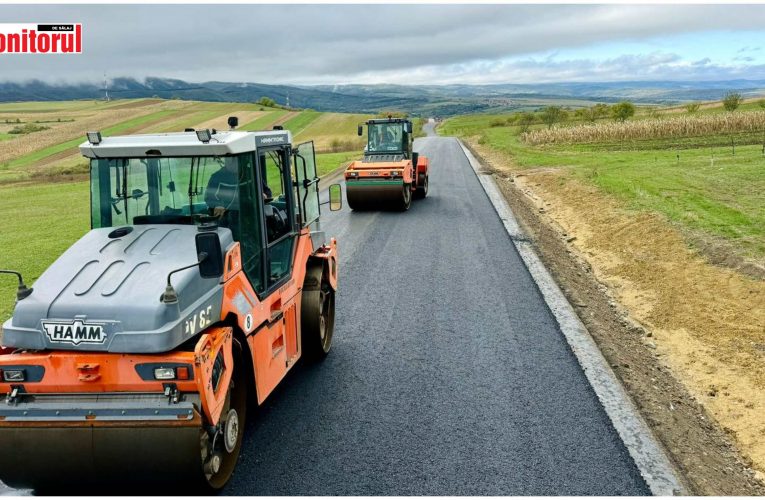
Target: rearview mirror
[(210, 255), (335, 197), (360, 130), (408, 127)]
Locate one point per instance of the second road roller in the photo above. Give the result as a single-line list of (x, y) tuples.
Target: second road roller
[(391, 173), (204, 279)]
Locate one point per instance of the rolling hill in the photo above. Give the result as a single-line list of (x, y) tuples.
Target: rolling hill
[(422, 100)]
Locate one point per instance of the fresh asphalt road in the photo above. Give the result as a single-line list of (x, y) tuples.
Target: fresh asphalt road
[(448, 373)]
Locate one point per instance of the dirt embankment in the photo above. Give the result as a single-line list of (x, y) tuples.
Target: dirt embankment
[(686, 337)]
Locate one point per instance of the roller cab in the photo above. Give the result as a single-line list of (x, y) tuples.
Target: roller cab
[(204, 279), (390, 174)]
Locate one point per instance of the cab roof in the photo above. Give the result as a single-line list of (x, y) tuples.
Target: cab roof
[(388, 120), (183, 144)]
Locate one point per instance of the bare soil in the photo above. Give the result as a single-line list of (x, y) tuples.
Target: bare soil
[(686, 337)]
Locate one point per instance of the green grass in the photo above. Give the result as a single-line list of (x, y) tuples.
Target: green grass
[(707, 189), (328, 162), (298, 123), (263, 122), (5, 137), (39, 223)]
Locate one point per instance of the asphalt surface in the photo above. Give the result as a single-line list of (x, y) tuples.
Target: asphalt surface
[(448, 374)]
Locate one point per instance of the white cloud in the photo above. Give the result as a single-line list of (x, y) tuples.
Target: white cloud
[(373, 43)]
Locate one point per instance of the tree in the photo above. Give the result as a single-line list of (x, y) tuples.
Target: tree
[(551, 115), (267, 101), (622, 111), (692, 107), (525, 121), (732, 101)]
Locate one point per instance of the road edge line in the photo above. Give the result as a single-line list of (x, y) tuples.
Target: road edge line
[(648, 454)]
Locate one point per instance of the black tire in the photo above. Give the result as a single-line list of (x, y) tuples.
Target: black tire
[(406, 198), (233, 419), (317, 316), (422, 187)]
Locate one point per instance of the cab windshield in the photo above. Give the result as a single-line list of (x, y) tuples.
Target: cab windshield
[(385, 137), (166, 190)]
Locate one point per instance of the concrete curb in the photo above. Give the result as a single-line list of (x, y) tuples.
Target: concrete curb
[(649, 456)]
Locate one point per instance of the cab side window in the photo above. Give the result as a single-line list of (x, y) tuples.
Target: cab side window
[(247, 220), (279, 214)]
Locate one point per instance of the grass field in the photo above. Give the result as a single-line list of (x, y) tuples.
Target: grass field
[(39, 223), (699, 184), (298, 123), (334, 128), (264, 122)]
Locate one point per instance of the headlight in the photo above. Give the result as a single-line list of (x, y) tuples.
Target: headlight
[(164, 373), (13, 375)]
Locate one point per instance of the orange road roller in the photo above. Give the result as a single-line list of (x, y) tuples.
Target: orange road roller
[(204, 279), (390, 174)]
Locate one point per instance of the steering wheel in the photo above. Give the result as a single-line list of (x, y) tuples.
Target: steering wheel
[(276, 221)]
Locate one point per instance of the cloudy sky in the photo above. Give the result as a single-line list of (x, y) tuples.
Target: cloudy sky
[(416, 44)]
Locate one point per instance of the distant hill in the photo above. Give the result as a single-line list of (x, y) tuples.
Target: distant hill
[(421, 100)]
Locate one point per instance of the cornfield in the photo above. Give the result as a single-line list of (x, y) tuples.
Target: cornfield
[(668, 128)]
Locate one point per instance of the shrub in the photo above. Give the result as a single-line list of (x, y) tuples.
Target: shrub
[(525, 120), (552, 115), (600, 111), (27, 129), (732, 101), (585, 114), (341, 145), (692, 107), (622, 111)]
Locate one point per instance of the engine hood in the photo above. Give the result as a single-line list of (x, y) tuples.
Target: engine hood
[(103, 294)]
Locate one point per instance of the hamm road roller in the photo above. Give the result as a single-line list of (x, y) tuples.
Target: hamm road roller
[(204, 279), (390, 173)]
